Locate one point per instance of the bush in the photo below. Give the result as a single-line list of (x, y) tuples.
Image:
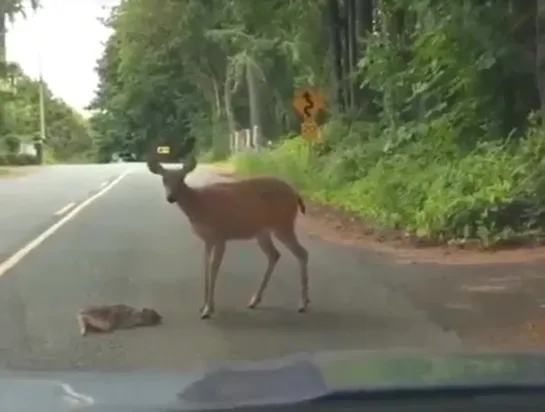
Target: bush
[(212, 155), (12, 159), (12, 143), (494, 193), (445, 152)]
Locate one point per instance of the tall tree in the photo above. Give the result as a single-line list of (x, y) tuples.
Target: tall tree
[(9, 9)]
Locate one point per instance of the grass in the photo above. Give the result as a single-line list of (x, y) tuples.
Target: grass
[(492, 195), (225, 166)]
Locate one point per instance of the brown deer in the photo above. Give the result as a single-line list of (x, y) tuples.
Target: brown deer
[(254, 208)]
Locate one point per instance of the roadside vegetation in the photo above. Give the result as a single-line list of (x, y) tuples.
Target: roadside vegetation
[(432, 126), (68, 137)]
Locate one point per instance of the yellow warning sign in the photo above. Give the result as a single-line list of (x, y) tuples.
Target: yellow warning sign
[(310, 130)]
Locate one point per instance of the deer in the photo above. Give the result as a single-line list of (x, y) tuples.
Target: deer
[(255, 208), (107, 318)]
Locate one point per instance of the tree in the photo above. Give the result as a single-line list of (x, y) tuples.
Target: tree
[(68, 133), (9, 9), (148, 99), (208, 65), (411, 86)]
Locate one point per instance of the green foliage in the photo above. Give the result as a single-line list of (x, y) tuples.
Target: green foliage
[(12, 143), (175, 69), (448, 153), (490, 193), (67, 131), (142, 100), (13, 159), (426, 128)]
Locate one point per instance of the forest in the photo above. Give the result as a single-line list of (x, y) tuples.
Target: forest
[(67, 133), (433, 120)]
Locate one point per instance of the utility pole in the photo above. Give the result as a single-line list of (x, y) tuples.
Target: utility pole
[(42, 109), (42, 138)]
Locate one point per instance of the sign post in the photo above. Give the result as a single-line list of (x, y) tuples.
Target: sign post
[(308, 102)]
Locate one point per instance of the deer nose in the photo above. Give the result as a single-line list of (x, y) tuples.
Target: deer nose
[(171, 199)]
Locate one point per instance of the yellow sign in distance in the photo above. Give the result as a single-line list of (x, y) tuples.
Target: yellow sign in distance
[(308, 102), (163, 149), (310, 130)]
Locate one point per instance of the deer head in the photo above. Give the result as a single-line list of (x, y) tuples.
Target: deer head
[(173, 179), (150, 317)]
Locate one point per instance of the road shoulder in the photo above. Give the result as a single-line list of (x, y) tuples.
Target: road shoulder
[(340, 227), (10, 172)]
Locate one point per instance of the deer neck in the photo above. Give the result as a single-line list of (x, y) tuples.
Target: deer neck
[(187, 199)]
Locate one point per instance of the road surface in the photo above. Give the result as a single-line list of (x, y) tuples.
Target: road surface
[(31, 202), (128, 245)]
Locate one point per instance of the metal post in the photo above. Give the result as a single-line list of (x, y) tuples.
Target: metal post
[(41, 99), (42, 109)]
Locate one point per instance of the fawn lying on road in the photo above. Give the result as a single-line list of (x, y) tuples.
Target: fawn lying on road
[(107, 318)]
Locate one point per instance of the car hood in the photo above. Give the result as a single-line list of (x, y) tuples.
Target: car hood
[(291, 379)]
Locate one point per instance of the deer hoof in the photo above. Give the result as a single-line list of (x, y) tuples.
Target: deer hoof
[(254, 302), (303, 307), (206, 313)]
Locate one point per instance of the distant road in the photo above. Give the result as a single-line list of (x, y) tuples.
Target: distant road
[(130, 246)]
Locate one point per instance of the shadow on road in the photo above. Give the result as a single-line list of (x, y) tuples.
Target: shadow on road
[(288, 320)]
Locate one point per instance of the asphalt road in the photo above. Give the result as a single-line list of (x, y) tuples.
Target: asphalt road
[(130, 246), (30, 203)]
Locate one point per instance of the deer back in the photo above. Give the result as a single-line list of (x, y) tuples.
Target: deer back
[(241, 209)]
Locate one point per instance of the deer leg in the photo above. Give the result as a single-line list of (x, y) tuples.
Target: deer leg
[(87, 322), (217, 257), (289, 239), (82, 323), (208, 246), (273, 255)]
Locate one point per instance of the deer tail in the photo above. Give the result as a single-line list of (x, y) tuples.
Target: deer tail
[(301, 204)]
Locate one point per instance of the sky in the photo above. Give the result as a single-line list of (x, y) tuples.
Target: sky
[(69, 39)]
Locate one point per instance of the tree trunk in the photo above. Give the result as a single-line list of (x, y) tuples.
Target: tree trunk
[(2, 35), (217, 100), (335, 28), (540, 50), (364, 19), (228, 104), (352, 52), (254, 102), (525, 94), (345, 36), (220, 142)]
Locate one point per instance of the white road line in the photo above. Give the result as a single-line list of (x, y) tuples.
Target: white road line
[(20, 254), (65, 209)]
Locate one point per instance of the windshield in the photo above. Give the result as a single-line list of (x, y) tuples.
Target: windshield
[(186, 183)]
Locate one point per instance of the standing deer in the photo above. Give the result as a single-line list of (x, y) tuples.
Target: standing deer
[(252, 208)]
